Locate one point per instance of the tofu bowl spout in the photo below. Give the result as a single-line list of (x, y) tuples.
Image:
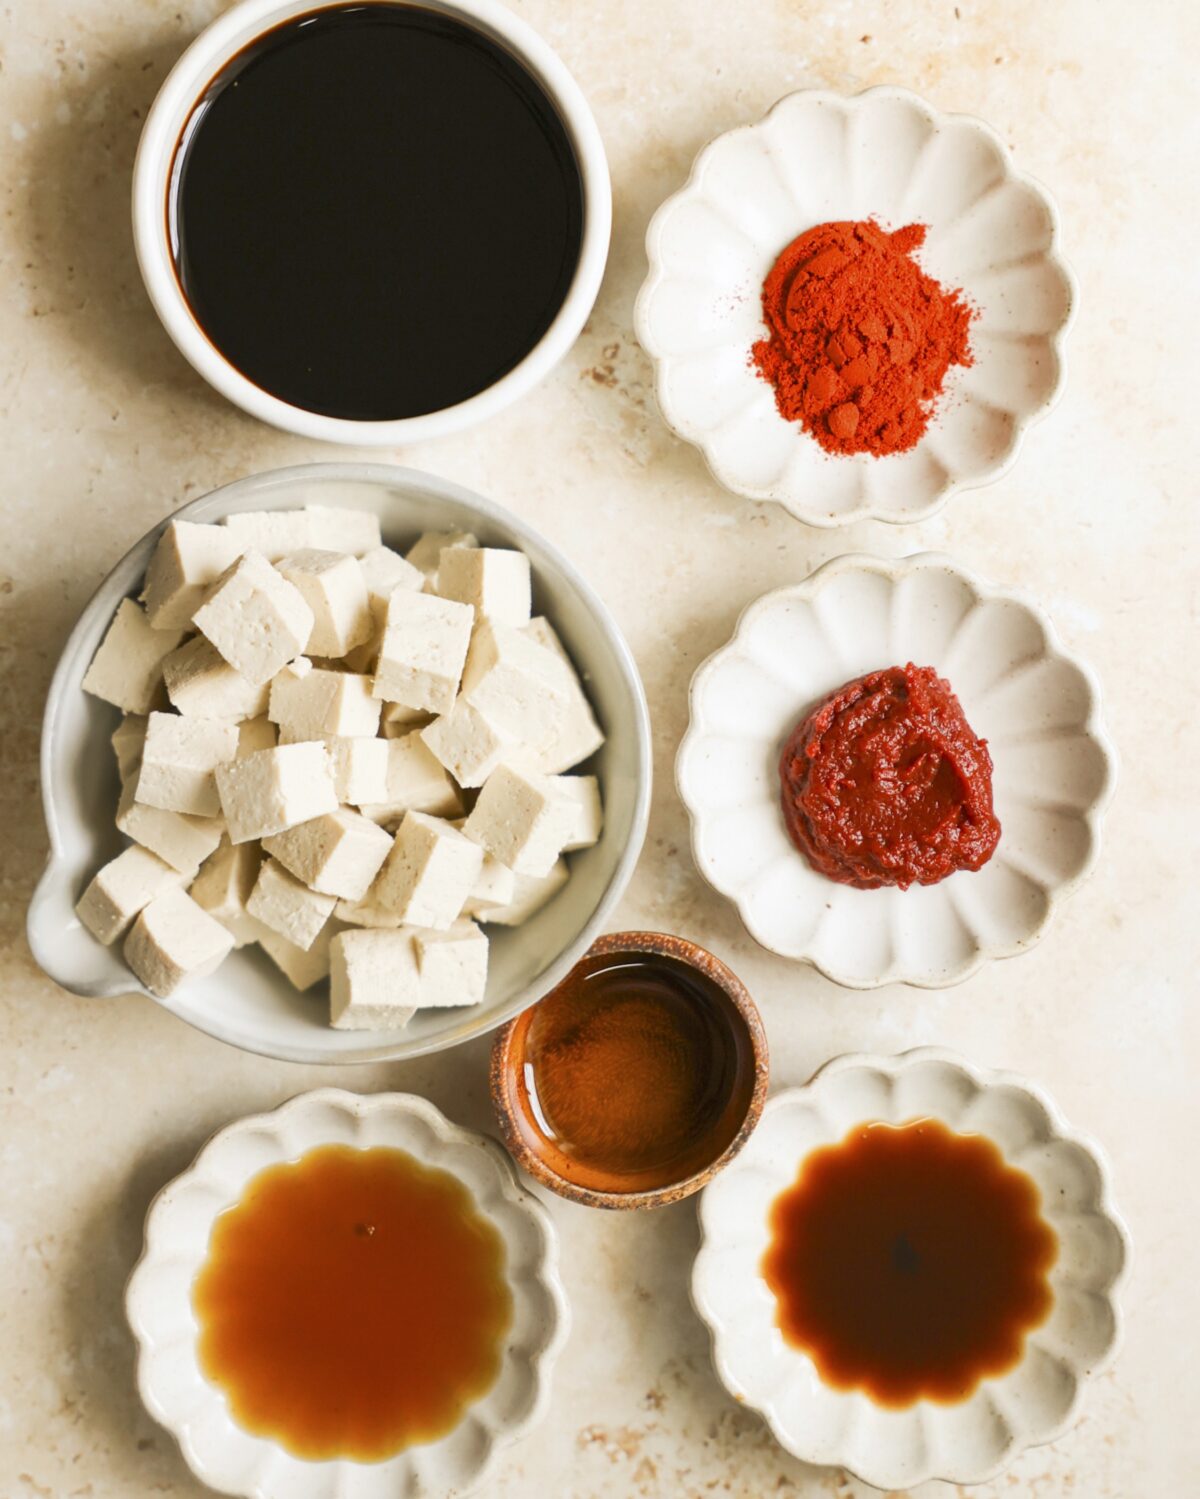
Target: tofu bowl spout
[(518, 824)]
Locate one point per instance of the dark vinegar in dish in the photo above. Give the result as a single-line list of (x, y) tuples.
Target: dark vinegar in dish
[(375, 212), (910, 1262)]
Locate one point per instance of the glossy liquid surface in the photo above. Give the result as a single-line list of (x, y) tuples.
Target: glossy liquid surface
[(353, 1303), (638, 1072), (910, 1262), (376, 212)]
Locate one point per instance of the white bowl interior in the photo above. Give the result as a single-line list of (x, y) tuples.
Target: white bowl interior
[(248, 1002)]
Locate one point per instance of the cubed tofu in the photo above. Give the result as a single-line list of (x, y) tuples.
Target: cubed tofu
[(429, 872), (374, 980), (520, 820), (127, 740), (338, 528), (520, 688), (320, 704), (333, 587), (256, 734), (127, 670), (121, 889), (366, 912), (416, 782), (495, 885), (189, 558), (495, 582), (179, 758), (468, 743), (542, 632), (202, 684), (338, 853), (360, 769), (452, 964), (274, 789), (223, 887), (285, 905), (531, 893), (181, 841), (577, 734), (583, 794), (426, 552), (424, 646), (303, 967), (255, 618), (173, 939), (272, 533), (383, 572)]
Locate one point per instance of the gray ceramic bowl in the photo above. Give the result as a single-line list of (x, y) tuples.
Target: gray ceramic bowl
[(247, 1002)]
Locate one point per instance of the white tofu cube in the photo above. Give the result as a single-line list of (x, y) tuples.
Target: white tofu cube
[(424, 646), (360, 769), (542, 632), (202, 684), (303, 967), (426, 552), (283, 903), (578, 735), (366, 912), (493, 581), (178, 761), (453, 965), (383, 572), (316, 703), (339, 853), (520, 820), (255, 618), (181, 841), (127, 670), (223, 887), (416, 782), (374, 981), (256, 734), (468, 743), (174, 939), (272, 533), (337, 528), (587, 815), (121, 889), (274, 789), (521, 689), (188, 559), (429, 872), (333, 587), (495, 885), (532, 892), (127, 740)]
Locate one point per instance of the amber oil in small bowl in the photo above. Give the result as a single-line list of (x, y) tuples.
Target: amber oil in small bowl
[(637, 1079)]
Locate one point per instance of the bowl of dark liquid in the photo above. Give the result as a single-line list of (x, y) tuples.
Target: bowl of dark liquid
[(371, 222)]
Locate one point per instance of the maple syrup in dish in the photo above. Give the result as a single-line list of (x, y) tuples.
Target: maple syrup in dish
[(633, 1075), (353, 1303), (909, 1262)]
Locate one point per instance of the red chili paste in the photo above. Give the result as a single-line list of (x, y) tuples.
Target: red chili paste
[(886, 783)]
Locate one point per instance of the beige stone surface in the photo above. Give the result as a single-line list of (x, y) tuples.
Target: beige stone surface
[(105, 429)]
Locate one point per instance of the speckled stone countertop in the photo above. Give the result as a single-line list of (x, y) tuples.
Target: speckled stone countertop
[(105, 429)]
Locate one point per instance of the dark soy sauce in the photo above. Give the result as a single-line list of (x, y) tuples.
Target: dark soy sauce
[(375, 212)]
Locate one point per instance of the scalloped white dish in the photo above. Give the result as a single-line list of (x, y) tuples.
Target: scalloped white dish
[(816, 157), (1034, 1402), (1037, 706), (159, 1307)]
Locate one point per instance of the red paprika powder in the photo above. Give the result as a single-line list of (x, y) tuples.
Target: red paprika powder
[(860, 337)]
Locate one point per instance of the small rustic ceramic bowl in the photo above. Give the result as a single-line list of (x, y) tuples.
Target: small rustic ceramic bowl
[(895, 1449), (508, 1059), (159, 1306), (816, 157), (1037, 706)]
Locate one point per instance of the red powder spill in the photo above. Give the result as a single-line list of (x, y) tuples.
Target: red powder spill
[(860, 337)]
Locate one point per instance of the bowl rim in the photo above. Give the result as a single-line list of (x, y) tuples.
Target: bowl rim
[(643, 322), (503, 1062), (893, 568), (127, 572), (984, 1078), (196, 67), (447, 1133)]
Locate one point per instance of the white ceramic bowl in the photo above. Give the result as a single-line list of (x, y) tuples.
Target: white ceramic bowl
[(895, 1449), (158, 1301), (1037, 706), (248, 1002), (236, 29), (817, 157)]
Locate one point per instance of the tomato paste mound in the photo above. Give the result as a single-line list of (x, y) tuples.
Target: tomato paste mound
[(886, 783), (860, 338)]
